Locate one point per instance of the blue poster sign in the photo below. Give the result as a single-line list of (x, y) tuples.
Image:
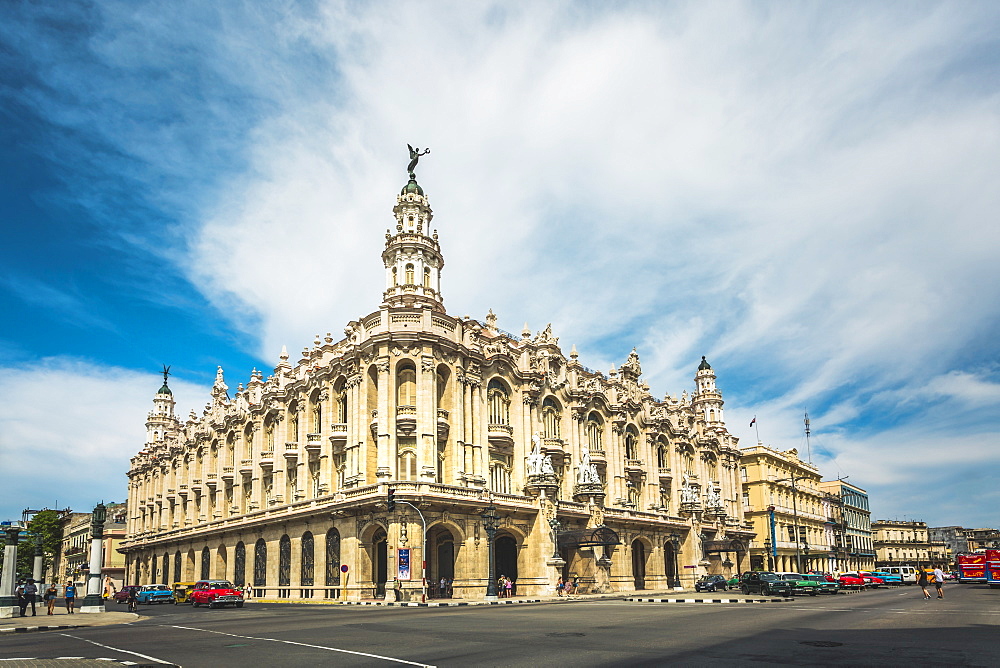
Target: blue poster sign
[(403, 560)]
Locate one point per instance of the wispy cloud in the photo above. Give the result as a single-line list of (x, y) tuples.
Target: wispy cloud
[(801, 192)]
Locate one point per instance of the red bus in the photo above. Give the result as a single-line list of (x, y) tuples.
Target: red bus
[(972, 567), (993, 568)]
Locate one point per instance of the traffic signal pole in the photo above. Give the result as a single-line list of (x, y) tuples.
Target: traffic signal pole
[(391, 505)]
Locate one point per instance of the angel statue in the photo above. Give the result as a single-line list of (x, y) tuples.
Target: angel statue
[(414, 159)]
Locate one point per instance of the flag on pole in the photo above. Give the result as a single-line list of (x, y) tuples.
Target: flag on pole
[(753, 421)]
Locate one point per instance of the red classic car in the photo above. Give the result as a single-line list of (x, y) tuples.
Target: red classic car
[(215, 593), (870, 580), (121, 596), (851, 582)]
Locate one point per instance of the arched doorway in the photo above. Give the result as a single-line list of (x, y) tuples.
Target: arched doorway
[(639, 564), (441, 544), (380, 562), (670, 563), (506, 556), (206, 557), (240, 565), (166, 569), (332, 563)]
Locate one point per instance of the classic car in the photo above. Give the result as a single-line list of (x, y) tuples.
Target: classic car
[(121, 596), (800, 585), (891, 579), (826, 585), (848, 581), (711, 583), (765, 583), (216, 593), (154, 593), (870, 580)]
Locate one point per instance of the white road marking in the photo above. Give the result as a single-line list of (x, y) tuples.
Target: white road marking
[(123, 651), (302, 644)]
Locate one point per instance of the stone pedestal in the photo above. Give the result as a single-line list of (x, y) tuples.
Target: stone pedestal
[(8, 602), (94, 601)]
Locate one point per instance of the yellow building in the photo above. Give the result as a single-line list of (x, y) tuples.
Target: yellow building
[(905, 542), (783, 500), (285, 482)]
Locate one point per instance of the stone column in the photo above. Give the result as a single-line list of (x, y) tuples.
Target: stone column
[(8, 602), (93, 601), (386, 421), (36, 572)]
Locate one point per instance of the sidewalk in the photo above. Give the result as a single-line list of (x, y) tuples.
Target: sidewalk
[(62, 619)]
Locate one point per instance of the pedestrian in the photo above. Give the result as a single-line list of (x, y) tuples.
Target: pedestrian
[(560, 585), (442, 588), (247, 591), (509, 586), (29, 593), (922, 581), (50, 597), (70, 595), (939, 581)]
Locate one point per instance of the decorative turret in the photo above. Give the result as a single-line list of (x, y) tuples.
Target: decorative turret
[(412, 255), (707, 400), (161, 420)]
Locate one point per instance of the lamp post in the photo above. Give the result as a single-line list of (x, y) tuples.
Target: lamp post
[(795, 516), (555, 525), (93, 601), (675, 543), (491, 521)]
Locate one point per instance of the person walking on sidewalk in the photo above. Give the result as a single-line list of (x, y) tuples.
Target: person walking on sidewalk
[(70, 596), (939, 582), (29, 592), (923, 581), (50, 597)]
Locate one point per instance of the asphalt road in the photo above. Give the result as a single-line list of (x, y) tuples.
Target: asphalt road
[(885, 627)]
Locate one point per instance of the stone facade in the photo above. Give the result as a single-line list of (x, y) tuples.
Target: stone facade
[(850, 527), (801, 536), (286, 481), (899, 542)]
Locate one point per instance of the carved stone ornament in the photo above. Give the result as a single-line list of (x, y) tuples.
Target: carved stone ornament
[(427, 364), (382, 365)]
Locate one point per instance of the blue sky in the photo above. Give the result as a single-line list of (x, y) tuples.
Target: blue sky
[(803, 192)]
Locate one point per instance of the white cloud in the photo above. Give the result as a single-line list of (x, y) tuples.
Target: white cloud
[(69, 428)]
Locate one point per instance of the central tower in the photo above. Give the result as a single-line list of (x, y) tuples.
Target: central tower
[(412, 255)]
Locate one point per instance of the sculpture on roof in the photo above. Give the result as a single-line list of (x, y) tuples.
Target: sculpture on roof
[(414, 159)]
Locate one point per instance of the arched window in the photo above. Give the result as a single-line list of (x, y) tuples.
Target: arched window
[(260, 563), (499, 399), (293, 424), (427, 277), (231, 450), (332, 558), (631, 444), (307, 568), (284, 561), (341, 402), (406, 385), (206, 558), (240, 565), (551, 418), (662, 454), (248, 442), (166, 568), (269, 436), (409, 274), (595, 432), (633, 497), (687, 459), (500, 477), (395, 276), (317, 416)]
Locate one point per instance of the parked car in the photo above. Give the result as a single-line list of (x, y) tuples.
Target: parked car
[(711, 583), (182, 591), (154, 593), (907, 574), (891, 579), (765, 583), (824, 583), (121, 596), (870, 580), (800, 585), (216, 593), (848, 581), (733, 582)]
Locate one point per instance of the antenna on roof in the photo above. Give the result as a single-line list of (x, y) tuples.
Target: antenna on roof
[(808, 447)]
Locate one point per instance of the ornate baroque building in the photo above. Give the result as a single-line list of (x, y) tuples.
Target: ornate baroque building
[(285, 481)]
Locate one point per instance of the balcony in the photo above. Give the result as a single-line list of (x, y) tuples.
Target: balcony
[(500, 435), (633, 466), (553, 446), (406, 419), (338, 434), (267, 459), (664, 473), (443, 427), (246, 466), (227, 474), (598, 456), (291, 451), (212, 480)]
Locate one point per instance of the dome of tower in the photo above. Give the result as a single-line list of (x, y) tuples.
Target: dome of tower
[(704, 364), (412, 187), (165, 389)]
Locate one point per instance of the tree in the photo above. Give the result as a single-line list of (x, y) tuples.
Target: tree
[(49, 525)]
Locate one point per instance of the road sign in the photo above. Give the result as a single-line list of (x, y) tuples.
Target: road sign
[(343, 569)]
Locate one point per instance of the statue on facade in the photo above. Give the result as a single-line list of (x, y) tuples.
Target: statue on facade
[(547, 468), (712, 498), (587, 470), (414, 159), (688, 494), (535, 459)]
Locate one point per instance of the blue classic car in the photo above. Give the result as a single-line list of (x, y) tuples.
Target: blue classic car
[(891, 579), (155, 593)]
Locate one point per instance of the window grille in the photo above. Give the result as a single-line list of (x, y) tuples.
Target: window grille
[(240, 565)]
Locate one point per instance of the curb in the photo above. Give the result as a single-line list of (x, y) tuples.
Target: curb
[(35, 629), (709, 600), (442, 604)]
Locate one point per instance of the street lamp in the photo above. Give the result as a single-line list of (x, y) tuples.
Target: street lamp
[(555, 525), (93, 601), (491, 522), (795, 515)]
